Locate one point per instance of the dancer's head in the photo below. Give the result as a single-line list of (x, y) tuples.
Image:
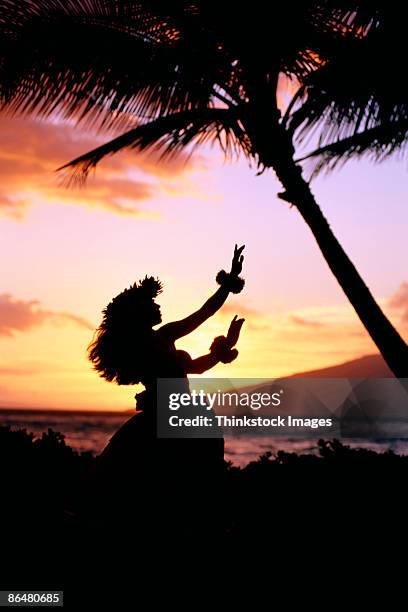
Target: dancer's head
[(135, 306), (123, 334)]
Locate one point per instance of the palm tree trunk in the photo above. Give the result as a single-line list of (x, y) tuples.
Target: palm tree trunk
[(385, 336)]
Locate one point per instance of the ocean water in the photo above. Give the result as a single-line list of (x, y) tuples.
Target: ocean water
[(92, 431)]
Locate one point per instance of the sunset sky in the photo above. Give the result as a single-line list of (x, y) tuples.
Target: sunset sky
[(67, 252)]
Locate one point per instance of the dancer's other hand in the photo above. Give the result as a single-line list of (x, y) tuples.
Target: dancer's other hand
[(234, 330)]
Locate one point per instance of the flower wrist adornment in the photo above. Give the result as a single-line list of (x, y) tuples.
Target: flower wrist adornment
[(232, 282), (221, 348)]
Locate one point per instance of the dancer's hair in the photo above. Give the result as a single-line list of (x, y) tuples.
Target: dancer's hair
[(122, 344)]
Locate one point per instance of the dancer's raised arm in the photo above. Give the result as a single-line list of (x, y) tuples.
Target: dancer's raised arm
[(229, 282)]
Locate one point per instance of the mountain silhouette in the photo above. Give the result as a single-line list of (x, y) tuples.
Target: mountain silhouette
[(369, 366)]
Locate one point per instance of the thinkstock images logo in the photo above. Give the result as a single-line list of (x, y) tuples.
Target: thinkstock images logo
[(301, 408)]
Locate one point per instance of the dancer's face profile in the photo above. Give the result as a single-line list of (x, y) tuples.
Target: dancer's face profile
[(156, 314)]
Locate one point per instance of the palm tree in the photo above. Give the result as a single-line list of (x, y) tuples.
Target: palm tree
[(186, 73)]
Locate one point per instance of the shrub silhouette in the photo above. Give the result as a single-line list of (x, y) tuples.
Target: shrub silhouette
[(39, 476), (42, 478), (283, 503)]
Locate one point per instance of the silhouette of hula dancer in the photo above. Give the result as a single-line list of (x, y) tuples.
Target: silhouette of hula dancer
[(128, 349)]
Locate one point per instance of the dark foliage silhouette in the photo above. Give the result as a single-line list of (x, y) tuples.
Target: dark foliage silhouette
[(293, 508), (43, 470), (42, 482), (178, 75)]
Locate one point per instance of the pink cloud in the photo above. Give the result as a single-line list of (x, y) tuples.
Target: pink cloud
[(399, 301), (31, 151), (254, 319), (240, 309), (305, 322), (20, 316)]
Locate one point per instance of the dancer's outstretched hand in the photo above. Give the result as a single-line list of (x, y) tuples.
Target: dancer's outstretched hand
[(234, 330), (237, 260), (231, 356)]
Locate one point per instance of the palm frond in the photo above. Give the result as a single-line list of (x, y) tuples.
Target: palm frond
[(103, 64), (357, 104), (169, 135), (377, 143)]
